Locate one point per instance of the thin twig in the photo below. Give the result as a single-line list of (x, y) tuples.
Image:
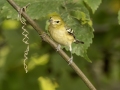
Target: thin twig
[(53, 44)]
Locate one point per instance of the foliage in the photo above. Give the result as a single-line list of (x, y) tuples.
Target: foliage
[(93, 4), (44, 64), (66, 9)]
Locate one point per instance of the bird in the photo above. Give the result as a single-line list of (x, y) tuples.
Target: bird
[(62, 34)]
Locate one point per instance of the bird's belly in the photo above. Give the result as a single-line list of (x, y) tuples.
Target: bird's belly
[(60, 37)]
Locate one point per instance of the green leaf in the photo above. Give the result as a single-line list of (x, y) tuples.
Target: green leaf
[(93, 4), (8, 12), (83, 32), (81, 16), (119, 17), (37, 9)]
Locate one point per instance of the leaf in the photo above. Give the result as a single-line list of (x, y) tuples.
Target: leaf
[(119, 17), (83, 32), (37, 9), (81, 16), (93, 4), (46, 81), (8, 12)]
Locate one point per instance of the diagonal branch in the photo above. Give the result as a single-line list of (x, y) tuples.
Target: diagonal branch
[(52, 43)]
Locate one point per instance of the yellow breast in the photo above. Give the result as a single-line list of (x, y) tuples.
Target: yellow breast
[(61, 36)]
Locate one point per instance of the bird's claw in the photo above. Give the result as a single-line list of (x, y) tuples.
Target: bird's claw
[(58, 47), (70, 60)]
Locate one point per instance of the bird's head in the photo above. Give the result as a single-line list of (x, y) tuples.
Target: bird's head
[(56, 21)]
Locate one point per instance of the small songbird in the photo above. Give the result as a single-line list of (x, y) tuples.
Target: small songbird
[(61, 34)]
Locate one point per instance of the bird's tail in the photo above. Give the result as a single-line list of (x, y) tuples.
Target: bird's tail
[(78, 41)]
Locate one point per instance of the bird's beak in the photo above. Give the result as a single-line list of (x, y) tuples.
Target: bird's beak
[(50, 20)]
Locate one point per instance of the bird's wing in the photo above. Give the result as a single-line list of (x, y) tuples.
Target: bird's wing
[(70, 31)]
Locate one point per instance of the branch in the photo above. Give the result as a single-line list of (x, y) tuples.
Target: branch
[(53, 44)]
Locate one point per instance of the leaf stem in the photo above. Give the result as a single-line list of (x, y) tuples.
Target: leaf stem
[(53, 44)]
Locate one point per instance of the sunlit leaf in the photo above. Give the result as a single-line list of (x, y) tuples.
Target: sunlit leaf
[(47, 84)]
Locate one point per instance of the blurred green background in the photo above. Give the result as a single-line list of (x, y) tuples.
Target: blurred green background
[(47, 70)]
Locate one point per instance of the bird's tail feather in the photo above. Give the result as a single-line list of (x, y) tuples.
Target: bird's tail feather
[(78, 41)]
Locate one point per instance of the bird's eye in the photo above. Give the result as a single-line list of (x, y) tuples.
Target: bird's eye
[(57, 21)]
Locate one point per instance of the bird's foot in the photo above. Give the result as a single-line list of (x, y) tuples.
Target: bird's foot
[(58, 47), (70, 60)]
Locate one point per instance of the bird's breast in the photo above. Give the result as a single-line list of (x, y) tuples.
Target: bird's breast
[(60, 37)]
